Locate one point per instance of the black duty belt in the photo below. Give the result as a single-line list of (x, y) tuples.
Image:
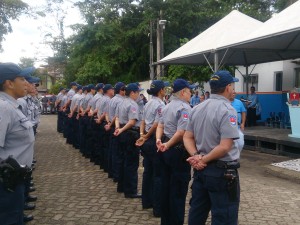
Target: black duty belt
[(225, 164)]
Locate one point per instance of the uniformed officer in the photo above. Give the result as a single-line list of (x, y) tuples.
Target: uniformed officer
[(209, 138), (29, 109), (175, 170), (64, 100), (103, 120), (16, 140), (94, 127), (84, 120), (73, 135), (58, 103), (151, 186), (66, 110), (114, 162), (128, 133)]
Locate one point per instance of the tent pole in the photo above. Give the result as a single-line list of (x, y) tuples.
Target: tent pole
[(247, 81), (216, 61)]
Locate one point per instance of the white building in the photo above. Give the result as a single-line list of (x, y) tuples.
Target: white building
[(270, 77)]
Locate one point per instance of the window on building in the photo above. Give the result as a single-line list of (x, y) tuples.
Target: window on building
[(252, 81), (297, 78), (278, 81)]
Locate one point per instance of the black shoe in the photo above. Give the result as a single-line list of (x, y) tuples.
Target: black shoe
[(156, 214), (31, 198), (27, 218), (31, 189), (29, 206), (133, 196)]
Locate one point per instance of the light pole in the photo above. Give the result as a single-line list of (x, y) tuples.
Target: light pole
[(161, 24), (151, 52)]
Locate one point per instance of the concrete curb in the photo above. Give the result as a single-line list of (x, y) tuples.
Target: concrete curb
[(283, 173)]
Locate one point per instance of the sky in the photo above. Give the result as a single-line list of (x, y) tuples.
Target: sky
[(27, 38)]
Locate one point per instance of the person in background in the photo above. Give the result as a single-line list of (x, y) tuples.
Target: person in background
[(202, 98), (240, 109), (251, 107), (195, 100), (207, 95), (45, 103), (52, 100), (144, 99)]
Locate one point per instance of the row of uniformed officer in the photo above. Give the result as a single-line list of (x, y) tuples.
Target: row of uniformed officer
[(113, 120), (16, 143)]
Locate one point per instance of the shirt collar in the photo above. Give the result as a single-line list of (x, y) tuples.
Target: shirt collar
[(10, 99), (219, 97)]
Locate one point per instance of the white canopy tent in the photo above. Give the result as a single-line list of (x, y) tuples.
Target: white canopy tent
[(241, 40), (276, 39), (201, 49)]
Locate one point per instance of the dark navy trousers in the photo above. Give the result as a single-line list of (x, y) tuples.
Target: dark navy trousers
[(176, 174), (128, 176), (11, 205), (209, 193), (151, 185)]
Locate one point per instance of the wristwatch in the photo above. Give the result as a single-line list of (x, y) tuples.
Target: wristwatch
[(196, 153)]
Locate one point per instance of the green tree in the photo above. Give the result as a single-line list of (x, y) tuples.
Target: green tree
[(114, 45), (9, 10), (26, 62)]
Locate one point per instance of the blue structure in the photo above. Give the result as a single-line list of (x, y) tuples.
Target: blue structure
[(273, 104)]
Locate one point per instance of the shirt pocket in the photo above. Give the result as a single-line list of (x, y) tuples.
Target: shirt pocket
[(23, 132)]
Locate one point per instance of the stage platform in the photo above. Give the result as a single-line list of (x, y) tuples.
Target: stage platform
[(272, 140)]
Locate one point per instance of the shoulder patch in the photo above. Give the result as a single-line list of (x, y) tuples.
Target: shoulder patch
[(133, 109), (159, 111), (232, 120), (185, 115)]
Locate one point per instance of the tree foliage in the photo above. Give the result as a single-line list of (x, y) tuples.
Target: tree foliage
[(9, 10), (114, 43)]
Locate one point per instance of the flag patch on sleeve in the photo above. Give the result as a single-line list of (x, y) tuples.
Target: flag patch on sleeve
[(232, 119), (185, 116), (133, 109)]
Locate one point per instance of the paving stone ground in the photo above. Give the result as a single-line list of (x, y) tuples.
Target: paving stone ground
[(73, 191)]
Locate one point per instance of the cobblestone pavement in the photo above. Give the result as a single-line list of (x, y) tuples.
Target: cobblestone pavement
[(71, 190)]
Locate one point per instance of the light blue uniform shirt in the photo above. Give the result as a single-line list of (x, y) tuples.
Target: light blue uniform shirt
[(211, 121), (95, 99), (70, 94), (103, 105), (16, 136), (239, 107), (253, 99), (175, 116), (113, 104), (152, 112), (127, 110), (195, 100)]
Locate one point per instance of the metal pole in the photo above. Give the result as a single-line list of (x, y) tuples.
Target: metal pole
[(162, 47), (158, 50), (216, 66), (151, 52), (247, 81)]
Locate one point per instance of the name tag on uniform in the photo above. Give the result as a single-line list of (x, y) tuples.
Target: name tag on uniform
[(23, 120)]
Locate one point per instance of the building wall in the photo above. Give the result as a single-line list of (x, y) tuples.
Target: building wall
[(265, 72), (289, 75), (266, 75)]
